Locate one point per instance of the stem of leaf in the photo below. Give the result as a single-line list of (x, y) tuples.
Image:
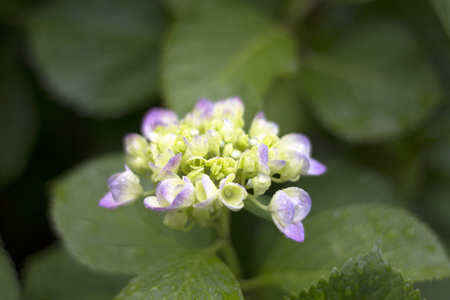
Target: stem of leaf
[(228, 251)]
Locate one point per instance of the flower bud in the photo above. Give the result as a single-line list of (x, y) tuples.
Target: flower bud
[(172, 194), (288, 208), (135, 146), (300, 144), (166, 165), (231, 194), (213, 137), (206, 192), (124, 187), (198, 146), (157, 117), (261, 127), (220, 167), (176, 219)]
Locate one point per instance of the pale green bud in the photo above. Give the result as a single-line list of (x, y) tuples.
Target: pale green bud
[(260, 184), (228, 131), (198, 146), (206, 192), (201, 216), (296, 164), (248, 163), (220, 167), (231, 194), (196, 174), (176, 219), (166, 142), (227, 150), (135, 158), (260, 126), (214, 140)]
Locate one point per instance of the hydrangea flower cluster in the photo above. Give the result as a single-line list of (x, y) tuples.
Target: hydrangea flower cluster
[(206, 162)]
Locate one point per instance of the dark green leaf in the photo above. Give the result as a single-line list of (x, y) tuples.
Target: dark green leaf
[(442, 9), (18, 120), (438, 146), (188, 276), (53, 275), (369, 277), (9, 285), (223, 50), (372, 83), (283, 104), (345, 183), (126, 239), (180, 7), (343, 2), (436, 290), (334, 236), (100, 57)]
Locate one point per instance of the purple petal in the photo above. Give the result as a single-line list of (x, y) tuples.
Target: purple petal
[(172, 165), (185, 196), (282, 208), (301, 200), (295, 231), (153, 203), (296, 142), (204, 108), (263, 158), (109, 202), (157, 117), (316, 167), (260, 115)]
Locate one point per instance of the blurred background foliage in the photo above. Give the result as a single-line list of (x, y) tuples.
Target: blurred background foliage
[(366, 80)]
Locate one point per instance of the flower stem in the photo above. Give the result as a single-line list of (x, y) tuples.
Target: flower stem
[(257, 203), (228, 251)]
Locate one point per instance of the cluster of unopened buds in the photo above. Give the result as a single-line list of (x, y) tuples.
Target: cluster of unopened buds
[(206, 162)]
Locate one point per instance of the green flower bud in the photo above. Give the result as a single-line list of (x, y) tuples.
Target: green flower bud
[(198, 146), (176, 219), (260, 183), (201, 216), (248, 163), (227, 150), (214, 140), (135, 158), (220, 167), (231, 194)]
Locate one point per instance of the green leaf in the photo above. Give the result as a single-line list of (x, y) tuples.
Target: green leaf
[(283, 104), (369, 277), (442, 9), (180, 7), (439, 143), (222, 50), (345, 2), (188, 276), (436, 290), (126, 239), (9, 285), (372, 84), (100, 57), (332, 189), (18, 116), (334, 236), (53, 274)]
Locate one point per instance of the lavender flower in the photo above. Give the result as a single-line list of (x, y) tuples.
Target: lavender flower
[(288, 208)]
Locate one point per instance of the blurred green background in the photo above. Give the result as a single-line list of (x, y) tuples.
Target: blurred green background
[(367, 81)]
